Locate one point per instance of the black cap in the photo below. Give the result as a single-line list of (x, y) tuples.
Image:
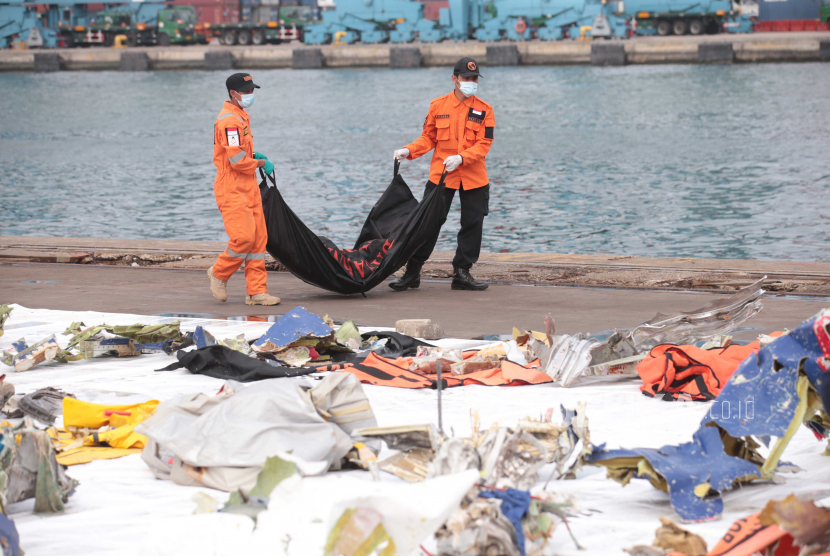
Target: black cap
[(241, 82), (466, 67)]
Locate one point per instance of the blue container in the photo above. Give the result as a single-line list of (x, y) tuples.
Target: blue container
[(788, 9)]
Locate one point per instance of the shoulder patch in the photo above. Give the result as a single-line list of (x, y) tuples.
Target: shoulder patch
[(232, 135), (476, 115)]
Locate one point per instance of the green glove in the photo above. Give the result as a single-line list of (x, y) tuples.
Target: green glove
[(260, 156), (269, 167)]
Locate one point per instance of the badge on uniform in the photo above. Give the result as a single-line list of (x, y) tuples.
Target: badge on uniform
[(476, 116), (232, 134)]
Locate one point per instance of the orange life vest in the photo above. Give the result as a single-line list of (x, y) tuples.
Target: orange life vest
[(689, 372)]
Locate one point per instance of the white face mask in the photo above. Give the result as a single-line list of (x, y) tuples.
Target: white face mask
[(468, 88), (246, 101)]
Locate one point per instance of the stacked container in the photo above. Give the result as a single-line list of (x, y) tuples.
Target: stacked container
[(789, 15), (213, 11)]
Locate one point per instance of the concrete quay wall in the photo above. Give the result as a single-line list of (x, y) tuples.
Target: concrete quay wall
[(749, 48)]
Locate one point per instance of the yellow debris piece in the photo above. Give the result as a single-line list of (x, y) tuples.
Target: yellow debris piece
[(92, 415), (95, 431)]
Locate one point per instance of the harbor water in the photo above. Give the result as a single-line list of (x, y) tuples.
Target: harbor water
[(680, 161)]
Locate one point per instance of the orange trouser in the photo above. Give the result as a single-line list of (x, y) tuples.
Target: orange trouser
[(245, 227)]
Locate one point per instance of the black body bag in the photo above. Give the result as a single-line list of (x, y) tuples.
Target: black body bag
[(395, 229)]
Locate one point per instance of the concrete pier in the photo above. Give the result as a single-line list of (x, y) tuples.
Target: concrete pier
[(462, 314), (746, 48), (549, 269)]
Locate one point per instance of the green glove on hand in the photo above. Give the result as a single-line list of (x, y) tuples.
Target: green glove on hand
[(269, 167), (260, 156)]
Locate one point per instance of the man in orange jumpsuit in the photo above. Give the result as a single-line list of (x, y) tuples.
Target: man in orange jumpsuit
[(237, 194), (459, 126)]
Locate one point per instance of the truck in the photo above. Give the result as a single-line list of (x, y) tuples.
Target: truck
[(667, 17), (266, 24), (174, 25)]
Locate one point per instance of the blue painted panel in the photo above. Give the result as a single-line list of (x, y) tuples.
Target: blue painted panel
[(294, 325), (789, 9)]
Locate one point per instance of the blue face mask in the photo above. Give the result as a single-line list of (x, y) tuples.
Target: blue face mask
[(246, 101), (468, 88)]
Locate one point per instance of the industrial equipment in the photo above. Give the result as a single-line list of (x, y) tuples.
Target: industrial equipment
[(29, 24), (401, 21)]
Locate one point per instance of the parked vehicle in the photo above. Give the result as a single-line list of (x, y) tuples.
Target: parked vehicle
[(169, 26), (176, 25)]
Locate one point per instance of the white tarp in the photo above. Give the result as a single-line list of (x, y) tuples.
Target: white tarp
[(119, 505), (303, 511), (267, 418)]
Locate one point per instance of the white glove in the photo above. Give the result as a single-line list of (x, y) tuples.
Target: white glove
[(453, 162), (400, 154)]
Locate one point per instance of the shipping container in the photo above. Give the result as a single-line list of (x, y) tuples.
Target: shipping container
[(433, 7), (787, 10), (208, 11)]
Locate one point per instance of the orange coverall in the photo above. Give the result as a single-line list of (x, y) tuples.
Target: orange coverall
[(454, 127), (463, 127), (237, 195)]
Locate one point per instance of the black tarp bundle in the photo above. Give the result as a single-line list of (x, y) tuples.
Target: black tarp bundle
[(224, 363), (395, 229)]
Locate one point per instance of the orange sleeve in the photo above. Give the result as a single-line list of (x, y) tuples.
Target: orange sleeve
[(239, 160), (484, 138), (426, 142)]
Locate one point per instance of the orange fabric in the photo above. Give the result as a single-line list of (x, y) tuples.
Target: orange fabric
[(749, 536), (248, 235), (237, 195), (510, 374), (452, 127), (385, 372), (688, 372)]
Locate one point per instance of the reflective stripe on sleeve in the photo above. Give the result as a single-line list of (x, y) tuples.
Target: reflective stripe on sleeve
[(229, 115), (237, 157)]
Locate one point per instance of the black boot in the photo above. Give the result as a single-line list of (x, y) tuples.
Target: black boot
[(410, 279), (463, 281)]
